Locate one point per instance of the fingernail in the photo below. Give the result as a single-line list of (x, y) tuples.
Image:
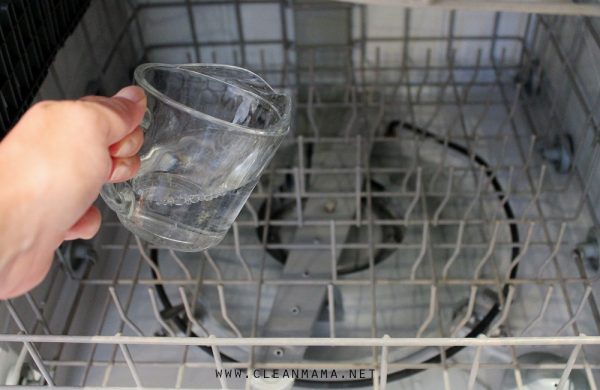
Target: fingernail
[(132, 93), (121, 171)]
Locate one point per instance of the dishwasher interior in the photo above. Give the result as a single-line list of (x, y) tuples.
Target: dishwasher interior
[(430, 219)]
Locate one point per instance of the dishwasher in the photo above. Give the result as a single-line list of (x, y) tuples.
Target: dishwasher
[(429, 222)]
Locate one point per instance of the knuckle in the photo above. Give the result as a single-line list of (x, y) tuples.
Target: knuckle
[(75, 110), (41, 109), (84, 110)]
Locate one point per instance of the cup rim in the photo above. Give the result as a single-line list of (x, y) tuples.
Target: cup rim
[(273, 130)]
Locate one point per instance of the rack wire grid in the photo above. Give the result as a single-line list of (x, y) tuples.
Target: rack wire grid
[(440, 178)]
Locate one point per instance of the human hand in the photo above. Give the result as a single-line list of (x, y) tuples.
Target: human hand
[(52, 166)]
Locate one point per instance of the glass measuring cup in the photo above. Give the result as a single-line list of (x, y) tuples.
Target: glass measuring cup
[(210, 130)]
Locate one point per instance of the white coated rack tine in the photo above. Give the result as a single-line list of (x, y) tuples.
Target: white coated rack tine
[(513, 109), (15, 316), (298, 196), (37, 312), (522, 252), (482, 116), (542, 311), (444, 201), (33, 352), (502, 156), (224, 314), (331, 310), (147, 259), (505, 310), (284, 68), (39, 363), (473, 78), (350, 79), (415, 199), (157, 315), (130, 364), (530, 152), (586, 294), (568, 367), (517, 373), (181, 264), (263, 65), (122, 313), (357, 196), (480, 184), (588, 372), (438, 107), (301, 175), (333, 250), (439, 100), (179, 377), (383, 374), (555, 251), (353, 114), (423, 250), (507, 191), (592, 170), (468, 313), (425, 76), (188, 311), (489, 252), (378, 119), (474, 369), (213, 265), (456, 252), (431, 313), (62, 260), (446, 378), (536, 195), (371, 92), (238, 250), (377, 65), (413, 165), (218, 363), (442, 163), (358, 181), (587, 124), (252, 212), (376, 123), (312, 95), (310, 111)]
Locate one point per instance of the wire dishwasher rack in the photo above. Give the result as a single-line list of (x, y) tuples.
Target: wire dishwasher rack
[(431, 221)]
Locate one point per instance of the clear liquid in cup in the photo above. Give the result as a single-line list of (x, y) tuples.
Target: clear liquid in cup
[(173, 212)]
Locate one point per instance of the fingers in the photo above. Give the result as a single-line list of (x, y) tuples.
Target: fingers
[(120, 114), (124, 168), (87, 226), (129, 145)]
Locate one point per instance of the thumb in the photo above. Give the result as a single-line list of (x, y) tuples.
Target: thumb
[(121, 113)]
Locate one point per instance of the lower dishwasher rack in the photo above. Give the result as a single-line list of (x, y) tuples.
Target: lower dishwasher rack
[(429, 223)]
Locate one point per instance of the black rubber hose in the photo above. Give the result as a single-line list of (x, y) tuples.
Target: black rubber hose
[(168, 307), (449, 352)]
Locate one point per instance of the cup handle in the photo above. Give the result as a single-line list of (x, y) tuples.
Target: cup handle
[(146, 120), (119, 197)]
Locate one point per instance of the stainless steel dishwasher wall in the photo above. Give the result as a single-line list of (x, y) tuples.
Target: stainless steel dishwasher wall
[(438, 191)]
